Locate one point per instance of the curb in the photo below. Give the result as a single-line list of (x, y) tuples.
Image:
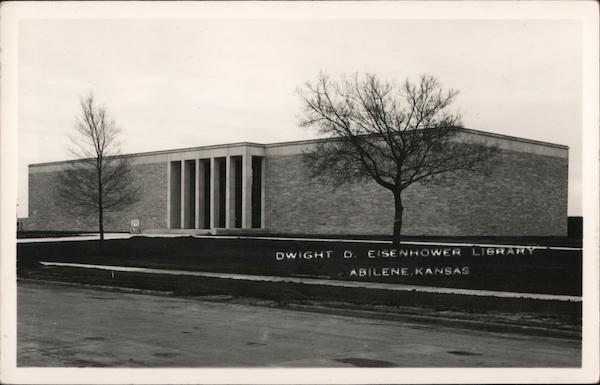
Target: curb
[(120, 289), (489, 326)]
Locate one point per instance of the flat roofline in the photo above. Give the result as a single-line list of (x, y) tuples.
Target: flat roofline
[(298, 142), (516, 138), (469, 130), (159, 152)]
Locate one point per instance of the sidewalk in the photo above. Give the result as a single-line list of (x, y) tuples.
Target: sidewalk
[(326, 282), (109, 236)]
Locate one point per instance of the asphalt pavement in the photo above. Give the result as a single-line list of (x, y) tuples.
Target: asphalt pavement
[(69, 326)]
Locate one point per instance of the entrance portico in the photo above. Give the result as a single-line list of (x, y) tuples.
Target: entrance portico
[(216, 188)]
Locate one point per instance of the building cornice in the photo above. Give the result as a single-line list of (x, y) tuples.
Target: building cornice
[(298, 143)]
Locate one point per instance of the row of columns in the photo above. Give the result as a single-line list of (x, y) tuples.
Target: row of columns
[(221, 199)]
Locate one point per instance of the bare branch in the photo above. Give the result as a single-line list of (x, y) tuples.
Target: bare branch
[(99, 180), (395, 135)]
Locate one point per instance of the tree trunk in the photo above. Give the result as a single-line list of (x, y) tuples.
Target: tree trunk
[(100, 207), (398, 209), (101, 223)]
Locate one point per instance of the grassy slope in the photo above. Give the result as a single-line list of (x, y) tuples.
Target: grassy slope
[(546, 271)]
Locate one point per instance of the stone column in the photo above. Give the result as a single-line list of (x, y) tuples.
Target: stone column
[(228, 192), (247, 191), (196, 197), (169, 194), (263, 183), (183, 191), (214, 189)]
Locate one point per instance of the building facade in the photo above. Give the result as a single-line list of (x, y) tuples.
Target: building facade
[(265, 188)]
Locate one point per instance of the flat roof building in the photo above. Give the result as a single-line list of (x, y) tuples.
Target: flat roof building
[(251, 187)]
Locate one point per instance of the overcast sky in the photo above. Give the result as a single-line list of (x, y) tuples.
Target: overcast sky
[(184, 83)]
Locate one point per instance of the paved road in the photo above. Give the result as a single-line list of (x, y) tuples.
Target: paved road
[(74, 326)]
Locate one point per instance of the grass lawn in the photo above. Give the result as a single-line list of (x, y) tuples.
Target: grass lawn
[(533, 271)]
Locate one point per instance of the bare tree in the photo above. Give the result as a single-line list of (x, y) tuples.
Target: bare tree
[(393, 134), (99, 180)]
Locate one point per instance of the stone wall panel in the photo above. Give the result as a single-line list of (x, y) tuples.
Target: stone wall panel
[(46, 215), (525, 195)]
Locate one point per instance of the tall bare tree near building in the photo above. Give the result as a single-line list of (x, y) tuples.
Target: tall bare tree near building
[(99, 180), (394, 134)]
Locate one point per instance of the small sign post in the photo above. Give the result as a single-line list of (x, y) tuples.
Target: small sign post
[(135, 226)]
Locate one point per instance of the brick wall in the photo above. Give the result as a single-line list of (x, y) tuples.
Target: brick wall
[(45, 214), (526, 195)]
